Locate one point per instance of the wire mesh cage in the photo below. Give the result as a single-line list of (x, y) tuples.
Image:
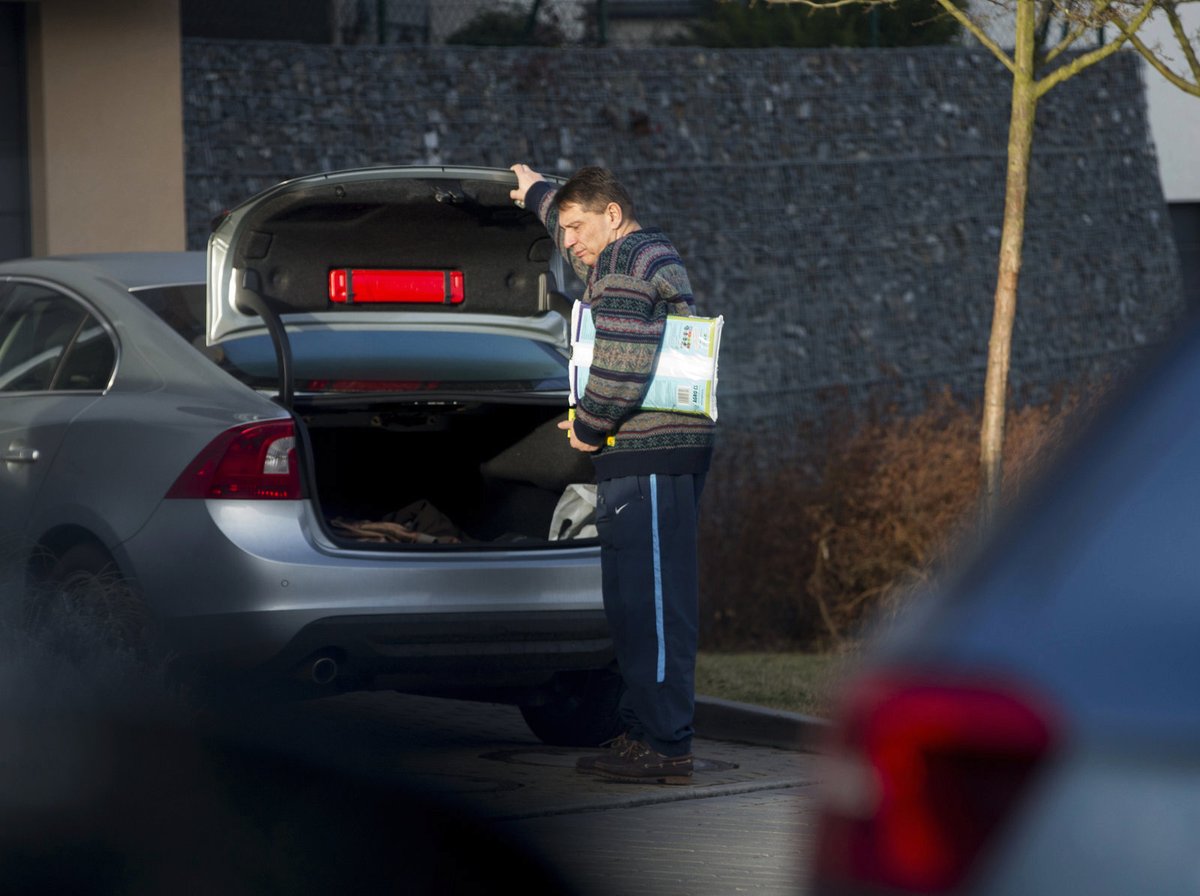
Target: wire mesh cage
[(548, 23)]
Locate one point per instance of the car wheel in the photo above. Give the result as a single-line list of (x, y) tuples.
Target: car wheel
[(84, 605), (582, 712)]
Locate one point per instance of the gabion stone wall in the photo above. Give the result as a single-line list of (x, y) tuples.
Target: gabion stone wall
[(842, 209)]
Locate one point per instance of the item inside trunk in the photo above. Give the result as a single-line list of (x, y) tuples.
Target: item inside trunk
[(492, 471)]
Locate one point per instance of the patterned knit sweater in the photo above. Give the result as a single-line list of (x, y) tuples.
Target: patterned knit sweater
[(635, 283)]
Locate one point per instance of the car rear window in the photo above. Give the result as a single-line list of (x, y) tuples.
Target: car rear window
[(181, 306), (358, 360), (398, 360)]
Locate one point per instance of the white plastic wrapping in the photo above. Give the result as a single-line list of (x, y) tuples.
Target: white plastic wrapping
[(685, 374)]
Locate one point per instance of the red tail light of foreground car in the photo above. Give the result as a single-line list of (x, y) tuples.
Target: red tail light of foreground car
[(922, 776), (255, 461)]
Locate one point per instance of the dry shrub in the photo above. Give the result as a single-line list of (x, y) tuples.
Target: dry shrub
[(896, 502), (793, 558)]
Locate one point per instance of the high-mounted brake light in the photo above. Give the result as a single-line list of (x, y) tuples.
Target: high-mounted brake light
[(255, 461), (352, 286), (922, 775)]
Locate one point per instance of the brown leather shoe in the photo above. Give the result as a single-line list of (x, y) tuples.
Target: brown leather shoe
[(641, 764), (614, 747)]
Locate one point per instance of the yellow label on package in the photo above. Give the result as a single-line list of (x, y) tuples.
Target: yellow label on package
[(685, 374)]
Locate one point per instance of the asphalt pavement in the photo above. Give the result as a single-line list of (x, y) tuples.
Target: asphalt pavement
[(743, 825), (367, 791), (108, 785)]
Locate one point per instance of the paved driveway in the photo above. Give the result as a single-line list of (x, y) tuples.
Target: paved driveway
[(741, 827), (104, 790)]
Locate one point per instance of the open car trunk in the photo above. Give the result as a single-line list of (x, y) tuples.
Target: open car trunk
[(461, 472), (417, 323)]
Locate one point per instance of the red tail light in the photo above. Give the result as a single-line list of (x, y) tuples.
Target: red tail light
[(922, 775), (365, 285), (256, 461)]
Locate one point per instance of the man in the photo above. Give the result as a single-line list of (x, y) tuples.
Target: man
[(650, 466)]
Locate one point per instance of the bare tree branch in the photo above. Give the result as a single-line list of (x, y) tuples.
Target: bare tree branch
[(979, 34), (1161, 67), (963, 19), (1079, 63), (1066, 43), (1130, 31), (1099, 9), (1185, 44)]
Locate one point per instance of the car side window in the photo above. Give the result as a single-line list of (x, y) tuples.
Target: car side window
[(49, 341)]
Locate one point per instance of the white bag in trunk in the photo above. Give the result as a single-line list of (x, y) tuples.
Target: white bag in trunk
[(575, 513)]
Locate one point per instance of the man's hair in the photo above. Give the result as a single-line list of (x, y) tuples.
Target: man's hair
[(592, 189)]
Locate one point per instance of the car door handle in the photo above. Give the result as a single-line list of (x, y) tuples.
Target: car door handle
[(19, 454)]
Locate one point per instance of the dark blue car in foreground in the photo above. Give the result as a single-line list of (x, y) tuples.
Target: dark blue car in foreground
[(1033, 727)]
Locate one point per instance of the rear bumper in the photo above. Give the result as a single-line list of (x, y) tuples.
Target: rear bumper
[(449, 653), (463, 655), (258, 586)]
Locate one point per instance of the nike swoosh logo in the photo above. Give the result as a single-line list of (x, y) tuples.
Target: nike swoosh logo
[(619, 509)]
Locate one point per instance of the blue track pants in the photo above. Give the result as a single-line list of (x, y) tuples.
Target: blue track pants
[(647, 528)]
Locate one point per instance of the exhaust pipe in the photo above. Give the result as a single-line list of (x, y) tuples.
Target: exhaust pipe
[(323, 670)]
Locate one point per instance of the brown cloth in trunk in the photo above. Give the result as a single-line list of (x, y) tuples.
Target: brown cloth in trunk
[(417, 523)]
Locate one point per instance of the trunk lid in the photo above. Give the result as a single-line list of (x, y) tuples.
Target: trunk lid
[(431, 248)]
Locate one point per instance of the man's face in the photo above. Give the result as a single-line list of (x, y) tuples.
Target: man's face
[(587, 233)]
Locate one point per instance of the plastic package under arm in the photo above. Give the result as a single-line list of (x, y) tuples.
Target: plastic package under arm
[(628, 333)]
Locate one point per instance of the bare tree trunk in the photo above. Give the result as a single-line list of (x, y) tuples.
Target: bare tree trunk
[(1020, 144)]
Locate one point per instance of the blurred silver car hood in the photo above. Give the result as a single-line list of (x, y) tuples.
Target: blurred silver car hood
[(285, 243)]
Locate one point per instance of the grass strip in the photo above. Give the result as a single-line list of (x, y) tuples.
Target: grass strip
[(792, 681)]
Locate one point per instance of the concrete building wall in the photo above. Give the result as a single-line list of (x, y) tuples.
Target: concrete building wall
[(106, 145)]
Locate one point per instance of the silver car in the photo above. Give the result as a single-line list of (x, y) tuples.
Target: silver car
[(1033, 727), (327, 452)]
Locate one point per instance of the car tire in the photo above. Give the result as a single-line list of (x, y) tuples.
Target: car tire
[(84, 604), (583, 711)]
